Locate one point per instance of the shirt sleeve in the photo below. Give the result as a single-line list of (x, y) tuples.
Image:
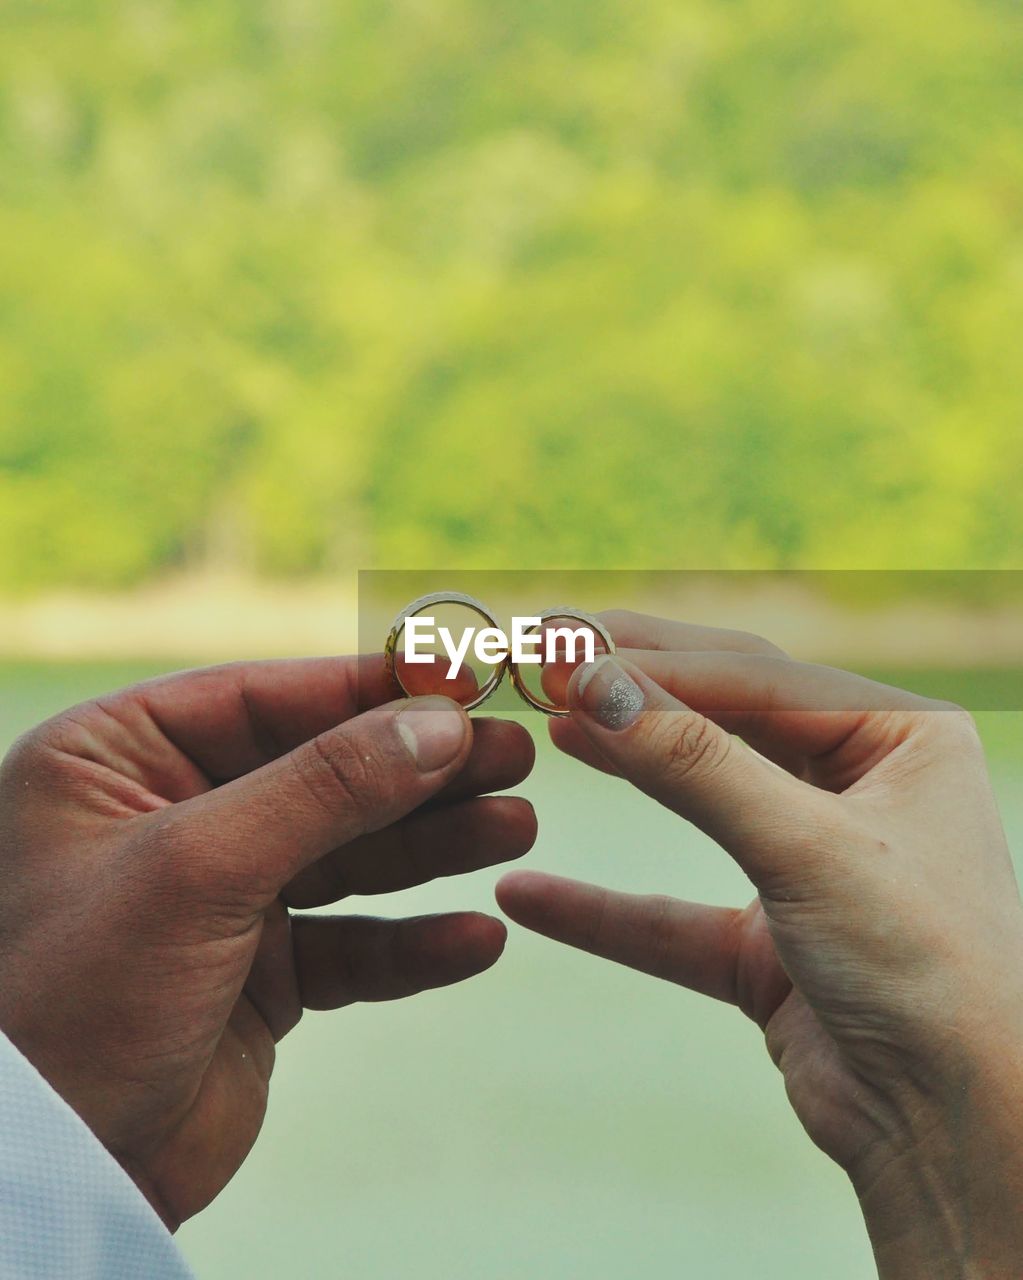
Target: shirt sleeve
[(68, 1211)]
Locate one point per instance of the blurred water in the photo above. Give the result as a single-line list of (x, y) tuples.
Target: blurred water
[(557, 1117)]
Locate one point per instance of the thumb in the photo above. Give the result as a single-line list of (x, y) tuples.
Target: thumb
[(262, 829), (769, 822)]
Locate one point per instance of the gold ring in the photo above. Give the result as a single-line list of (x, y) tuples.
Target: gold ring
[(561, 611), (417, 606), (506, 664)]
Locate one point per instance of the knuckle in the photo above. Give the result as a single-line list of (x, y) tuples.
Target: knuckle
[(956, 723), (749, 642), (41, 743), (20, 757), (339, 775), (692, 743), (618, 621), (48, 758), (945, 728)]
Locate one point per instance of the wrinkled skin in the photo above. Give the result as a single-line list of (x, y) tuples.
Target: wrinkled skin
[(883, 953), (153, 844)]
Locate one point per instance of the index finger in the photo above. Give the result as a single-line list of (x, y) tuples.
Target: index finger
[(231, 719), (841, 722), (633, 630)]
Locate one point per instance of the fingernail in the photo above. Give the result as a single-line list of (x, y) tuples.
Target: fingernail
[(433, 729), (609, 694)]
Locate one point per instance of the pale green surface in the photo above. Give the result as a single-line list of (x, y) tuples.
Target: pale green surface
[(556, 1118)]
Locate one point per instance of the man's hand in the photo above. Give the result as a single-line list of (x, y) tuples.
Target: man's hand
[(152, 844), (883, 954)]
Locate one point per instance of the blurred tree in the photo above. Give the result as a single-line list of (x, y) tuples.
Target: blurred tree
[(296, 286)]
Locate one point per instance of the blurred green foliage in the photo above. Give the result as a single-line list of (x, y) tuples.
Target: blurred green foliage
[(296, 286)]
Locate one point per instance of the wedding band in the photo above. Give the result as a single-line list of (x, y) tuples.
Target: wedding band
[(505, 664), (562, 611), (425, 602)]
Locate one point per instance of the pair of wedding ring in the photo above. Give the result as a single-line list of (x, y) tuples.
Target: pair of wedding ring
[(506, 663)]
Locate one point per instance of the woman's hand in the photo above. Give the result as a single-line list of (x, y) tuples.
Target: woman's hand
[(152, 844), (883, 954)]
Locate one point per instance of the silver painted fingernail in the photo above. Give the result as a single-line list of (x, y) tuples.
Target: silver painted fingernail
[(609, 694)]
